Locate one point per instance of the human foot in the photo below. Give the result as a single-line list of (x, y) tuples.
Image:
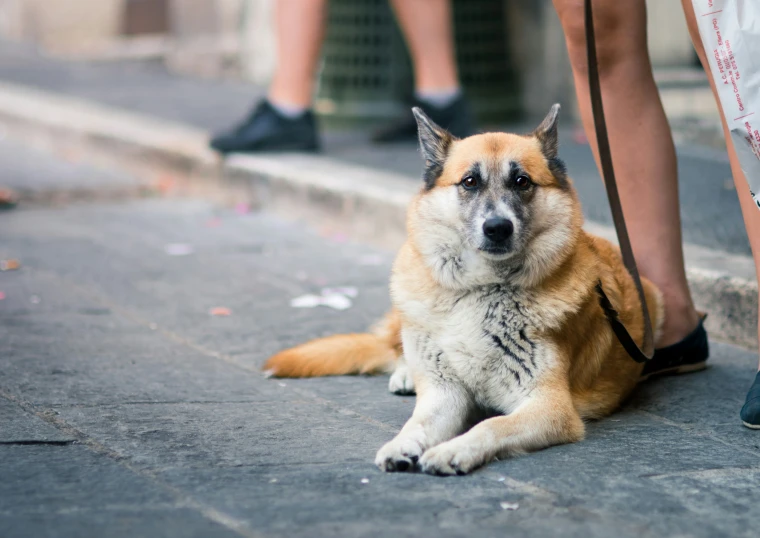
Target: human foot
[(268, 130), (689, 354), (455, 117)]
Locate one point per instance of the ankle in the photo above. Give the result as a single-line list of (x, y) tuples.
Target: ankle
[(289, 95), (287, 110), (438, 97), (679, 322)]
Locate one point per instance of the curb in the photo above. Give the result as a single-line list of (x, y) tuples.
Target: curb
[(369, 204)]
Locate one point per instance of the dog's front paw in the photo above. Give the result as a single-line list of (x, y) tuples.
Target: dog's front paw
[(401, 381), (452, 457), (399, 455)]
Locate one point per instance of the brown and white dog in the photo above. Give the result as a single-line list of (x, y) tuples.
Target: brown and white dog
[(496, 319)]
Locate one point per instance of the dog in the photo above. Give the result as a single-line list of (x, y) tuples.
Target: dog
[(496, 320)]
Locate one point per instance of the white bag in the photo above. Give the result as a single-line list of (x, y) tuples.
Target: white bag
[(730, 31)]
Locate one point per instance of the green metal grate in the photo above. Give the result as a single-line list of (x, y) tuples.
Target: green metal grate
[(485, 70), (366, 75)]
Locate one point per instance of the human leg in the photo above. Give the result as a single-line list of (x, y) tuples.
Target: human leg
[(427, 27), (642, 146), (428, 30), (300, 29), (750, 211), (284, 121)]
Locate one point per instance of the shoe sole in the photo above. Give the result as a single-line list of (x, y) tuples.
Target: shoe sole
[(751, 426), (676, 370)]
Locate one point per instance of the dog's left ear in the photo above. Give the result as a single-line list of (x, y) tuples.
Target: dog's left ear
[(546, 133), (435, 141)]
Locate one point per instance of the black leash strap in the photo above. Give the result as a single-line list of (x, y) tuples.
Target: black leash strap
[(646, 352)]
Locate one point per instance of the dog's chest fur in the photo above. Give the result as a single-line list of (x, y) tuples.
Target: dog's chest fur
[(484, 340)]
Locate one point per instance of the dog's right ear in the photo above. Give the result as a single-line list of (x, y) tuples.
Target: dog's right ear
[(435, 142)]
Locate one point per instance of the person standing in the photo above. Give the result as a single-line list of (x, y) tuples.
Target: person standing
[(646, 170), (284, 120)]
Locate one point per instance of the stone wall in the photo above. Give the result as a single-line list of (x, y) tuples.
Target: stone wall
[(56, 23)]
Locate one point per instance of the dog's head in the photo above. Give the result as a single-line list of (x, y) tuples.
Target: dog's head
[(495, 207)]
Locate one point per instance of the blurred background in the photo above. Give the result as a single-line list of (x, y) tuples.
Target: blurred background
[(202, 64), (511, 54)]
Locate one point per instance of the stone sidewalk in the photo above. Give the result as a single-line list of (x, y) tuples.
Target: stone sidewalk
[(127, 410)]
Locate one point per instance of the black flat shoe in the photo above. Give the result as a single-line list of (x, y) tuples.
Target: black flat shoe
[(267, 130), (455, 118), (688, 355), (750, 413)]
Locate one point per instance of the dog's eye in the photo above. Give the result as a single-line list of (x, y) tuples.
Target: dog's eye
[(522, 182), (470, 183)]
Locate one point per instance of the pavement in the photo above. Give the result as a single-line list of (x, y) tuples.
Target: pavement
[(35, 176), (126, 409)]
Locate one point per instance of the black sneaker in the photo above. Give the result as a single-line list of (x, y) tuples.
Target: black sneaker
[(688, 355), (455, 118), (267, 130), (750, 413)]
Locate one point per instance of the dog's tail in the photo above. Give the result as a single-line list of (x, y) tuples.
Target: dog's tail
[(342, 354)]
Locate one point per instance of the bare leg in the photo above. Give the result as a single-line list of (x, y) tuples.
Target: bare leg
[(300, 30), (749, 209), (642, 146), (427, 27)]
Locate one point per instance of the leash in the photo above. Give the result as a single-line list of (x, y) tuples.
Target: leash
[(646, 352)]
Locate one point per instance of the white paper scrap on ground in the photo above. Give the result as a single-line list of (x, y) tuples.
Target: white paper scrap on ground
[(348, 291), (179, 249), (306, 301), (337, 298), (336, 301), (730, 32)]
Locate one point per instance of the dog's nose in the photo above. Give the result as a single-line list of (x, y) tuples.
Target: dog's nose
[(498, 229)]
